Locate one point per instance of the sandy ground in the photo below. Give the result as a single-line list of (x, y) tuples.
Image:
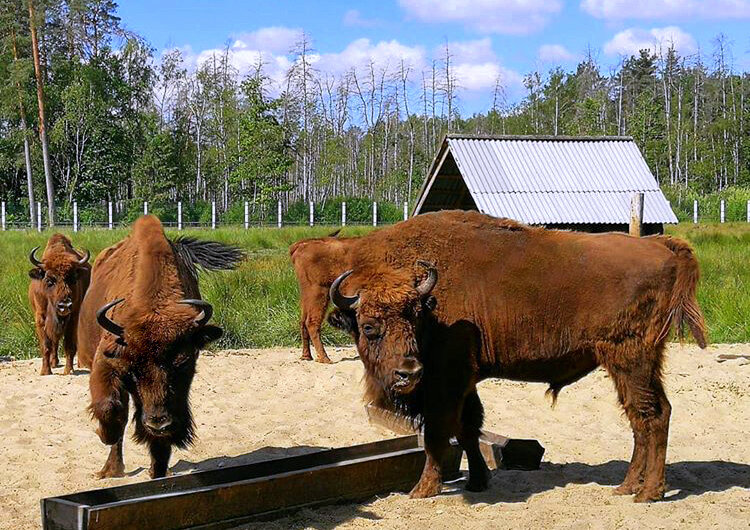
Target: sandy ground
[(251, 405)]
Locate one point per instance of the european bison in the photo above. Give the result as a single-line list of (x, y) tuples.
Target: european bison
[(58, 283), (142, 325), (317, 262), (520, 303)]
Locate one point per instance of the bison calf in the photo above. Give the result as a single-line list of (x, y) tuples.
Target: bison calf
[(58, 284)]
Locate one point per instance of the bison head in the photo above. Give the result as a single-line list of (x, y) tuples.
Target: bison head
[(58, 275), (385, 319), (154, 357)]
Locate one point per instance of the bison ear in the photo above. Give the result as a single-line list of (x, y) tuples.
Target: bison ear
[(207, 334), (429, 303), (36, 273), (345, 321)]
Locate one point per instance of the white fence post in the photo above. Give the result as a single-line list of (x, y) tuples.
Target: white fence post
[(75, 216), (278, 214), (145, 207), (39, 216), (312, 214), (213, 215), (343, 214), (109, 210), (721, 211), (179, 215), (695, 211), (748, 211), (3, 215), (406, 210), (374, 213), (247, 215)]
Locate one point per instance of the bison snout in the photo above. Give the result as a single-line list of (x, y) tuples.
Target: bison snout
[(157, 423), (406, 378), (408, 374), (64, 307)]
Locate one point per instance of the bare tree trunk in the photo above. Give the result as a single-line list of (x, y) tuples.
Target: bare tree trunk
[(42, 123), (26, 147)]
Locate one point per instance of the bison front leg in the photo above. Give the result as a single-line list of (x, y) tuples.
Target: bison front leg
[(45, 345), (160, 451), (436, 444), (472, 418), (109, 405), (70, 344)]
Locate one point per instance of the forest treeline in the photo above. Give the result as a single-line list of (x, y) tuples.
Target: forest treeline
[(89, 112)]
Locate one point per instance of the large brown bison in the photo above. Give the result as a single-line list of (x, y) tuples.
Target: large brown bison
[(317, 262), (58, 283), (499, 299), (142, 325)]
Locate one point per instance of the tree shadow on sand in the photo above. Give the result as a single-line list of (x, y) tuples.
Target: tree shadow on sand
[(689, 478)]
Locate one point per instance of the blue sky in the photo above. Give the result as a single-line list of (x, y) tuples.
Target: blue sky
[(488, 38)]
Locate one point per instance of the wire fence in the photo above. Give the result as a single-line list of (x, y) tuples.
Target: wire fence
[(207, 214)]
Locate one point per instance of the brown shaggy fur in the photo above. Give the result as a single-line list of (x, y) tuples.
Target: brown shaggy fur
[(60, 279), (519, 303), (155, 360)]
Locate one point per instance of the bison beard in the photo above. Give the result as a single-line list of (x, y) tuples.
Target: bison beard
[(523, 304)]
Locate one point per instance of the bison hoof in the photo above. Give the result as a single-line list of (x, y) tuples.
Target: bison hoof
[(476, 484), (649, 496), (111, 472), (324, 360), (55, 362), (627, 489), (306, 357), (425, 489), (45, 371)]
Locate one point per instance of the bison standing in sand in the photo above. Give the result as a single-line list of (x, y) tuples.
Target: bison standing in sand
[(496, 298), (142, 325), (58, 283)]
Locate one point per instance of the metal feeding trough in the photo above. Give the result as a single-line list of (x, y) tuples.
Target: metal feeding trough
[(222, 498), (499, 452)]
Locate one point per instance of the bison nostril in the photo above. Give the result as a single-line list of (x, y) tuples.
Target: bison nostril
[(158, 423), (409, 374)]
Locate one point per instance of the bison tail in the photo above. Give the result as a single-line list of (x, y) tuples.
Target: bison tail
[(683, 306), (209, 255)]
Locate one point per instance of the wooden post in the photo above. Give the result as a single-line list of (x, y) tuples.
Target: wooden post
[(312, 212), (3, 215), (721, 210), (278, 214), (695, 211), (636, 214), (179, 215), (343, 214), (374, 214), (406, 210), (109, 210), (247, 215), (39, 216), (213, 215), (145, 207), (75, 216)]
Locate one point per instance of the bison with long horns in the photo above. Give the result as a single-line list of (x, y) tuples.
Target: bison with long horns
[(495, 298), (142, 325), (58, 282)]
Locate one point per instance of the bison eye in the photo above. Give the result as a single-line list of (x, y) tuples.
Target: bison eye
[(49, 281), (370, 331)]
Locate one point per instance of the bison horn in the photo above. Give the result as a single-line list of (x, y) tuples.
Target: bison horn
[(206, 310), (85, 259), (428, 283), (338, 299), (106, 323), (32, 258)]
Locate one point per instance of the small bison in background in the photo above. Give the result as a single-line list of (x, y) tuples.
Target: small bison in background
[(58, 284), (142, 325), (317, 262), (495, 298)]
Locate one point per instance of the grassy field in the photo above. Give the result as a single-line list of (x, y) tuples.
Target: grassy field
[(258, 305)]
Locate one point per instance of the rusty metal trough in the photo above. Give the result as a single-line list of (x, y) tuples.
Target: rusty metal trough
[(223, 498)]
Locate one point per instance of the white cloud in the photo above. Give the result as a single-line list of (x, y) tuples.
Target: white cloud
[(276, 39), (666, 9), (631, 41), (470, 51), (511, 17), (361, 52), (555, 53), (483, 76), (354, 18)]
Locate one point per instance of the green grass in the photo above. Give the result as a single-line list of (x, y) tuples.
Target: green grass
[(258, 304)]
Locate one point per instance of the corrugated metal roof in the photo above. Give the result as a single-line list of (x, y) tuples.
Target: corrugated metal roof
[(554, 180)]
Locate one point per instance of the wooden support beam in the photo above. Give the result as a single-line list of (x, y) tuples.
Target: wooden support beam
[(636, 214)]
